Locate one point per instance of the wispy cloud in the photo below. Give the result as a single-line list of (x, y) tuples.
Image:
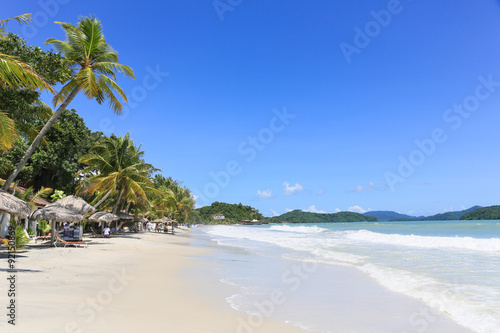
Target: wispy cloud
[(337, 210), (289, 190), (288, 210), (321, 192), (371, 187), (275, 213), (313, 209), (265, 193), (357, 209)]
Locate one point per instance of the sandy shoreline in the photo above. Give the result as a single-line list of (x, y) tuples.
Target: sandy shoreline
[(162, 283), (123, 284)]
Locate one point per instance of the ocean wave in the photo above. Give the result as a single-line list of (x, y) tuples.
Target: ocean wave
[(302, 229), (430, 242)]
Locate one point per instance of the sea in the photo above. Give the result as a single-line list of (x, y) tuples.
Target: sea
[(317, 276)]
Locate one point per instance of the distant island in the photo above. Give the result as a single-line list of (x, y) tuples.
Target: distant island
[(225, 213), (485, 213), (299, 216), (388, 216)]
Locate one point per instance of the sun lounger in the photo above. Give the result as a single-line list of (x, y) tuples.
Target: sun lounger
[(68, 243)]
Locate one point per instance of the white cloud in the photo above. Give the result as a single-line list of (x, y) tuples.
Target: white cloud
[(337, 210), (313, 209), (357, 209), (265, 193), (275, 213), (289, 190), (321, 192), (288, 210)]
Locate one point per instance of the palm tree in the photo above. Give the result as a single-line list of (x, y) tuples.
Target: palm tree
[(93, 63), (15, 73), (116, 168)]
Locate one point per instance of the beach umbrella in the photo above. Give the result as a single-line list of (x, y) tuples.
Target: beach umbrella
[(11, 205), (103, 217), (74, 203), (141, 219), (55, 214), (125, 217)]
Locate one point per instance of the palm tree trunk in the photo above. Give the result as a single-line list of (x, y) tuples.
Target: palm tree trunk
[(115, 210), (39, 137), (102, 199)]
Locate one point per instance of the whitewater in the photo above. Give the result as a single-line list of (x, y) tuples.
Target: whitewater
[(453, 266)]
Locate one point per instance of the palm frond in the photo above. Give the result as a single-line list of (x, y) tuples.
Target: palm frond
[(8, 132)]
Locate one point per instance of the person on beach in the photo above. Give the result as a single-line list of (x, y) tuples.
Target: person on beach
[(106, 232)]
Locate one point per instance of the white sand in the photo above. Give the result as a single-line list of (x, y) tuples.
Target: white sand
[(155, 283), (125, 284)]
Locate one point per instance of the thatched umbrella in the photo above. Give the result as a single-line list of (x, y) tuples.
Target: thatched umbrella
[(105, 217), (11, 205), (125, 217), (74, 203), (55, 214)]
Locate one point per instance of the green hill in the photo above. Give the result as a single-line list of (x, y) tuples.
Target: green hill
[(298, 216), (449, 216), (485, 213), (233, 213), (386, 215)]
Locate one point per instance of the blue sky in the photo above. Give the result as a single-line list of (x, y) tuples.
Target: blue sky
[(313, 105)]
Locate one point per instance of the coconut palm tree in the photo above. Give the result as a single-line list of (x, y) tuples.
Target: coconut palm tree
[(15, 73), (116, 170), (93, 63)]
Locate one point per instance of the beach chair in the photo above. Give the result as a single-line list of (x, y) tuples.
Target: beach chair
[(68, 243), (95, 234)]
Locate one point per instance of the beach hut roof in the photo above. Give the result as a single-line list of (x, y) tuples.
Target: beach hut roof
[(74, 203), (56, 213), (124, 216), (12, 205), (141, 219), (103, 217)]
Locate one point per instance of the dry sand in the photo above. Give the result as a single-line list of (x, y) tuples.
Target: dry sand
[(133, 283)]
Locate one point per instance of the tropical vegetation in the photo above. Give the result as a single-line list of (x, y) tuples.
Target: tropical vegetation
[(299, 216), (485, 213), (233, 213)]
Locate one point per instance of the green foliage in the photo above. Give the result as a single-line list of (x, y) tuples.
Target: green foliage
[(44, 226), (486, 213), (20, 237), (233, 213), (55, 163), (58, 194), (24, 105), (298, 216)]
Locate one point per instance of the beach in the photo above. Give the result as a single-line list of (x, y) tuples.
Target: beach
[(172, 283), (122, 284)]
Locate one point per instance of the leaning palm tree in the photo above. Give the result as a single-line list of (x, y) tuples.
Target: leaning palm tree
[(93, 63)]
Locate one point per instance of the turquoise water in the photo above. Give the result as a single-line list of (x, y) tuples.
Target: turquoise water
[(452, 266)]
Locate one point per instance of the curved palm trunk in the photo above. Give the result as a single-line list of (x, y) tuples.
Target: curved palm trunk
[(102, 199), (39, 137), (115, 210)]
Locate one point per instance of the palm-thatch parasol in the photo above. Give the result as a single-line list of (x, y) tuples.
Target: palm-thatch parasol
[(142, 220), (74, 203), (125, 217), (11, 205), (103, 217), (54, 214)]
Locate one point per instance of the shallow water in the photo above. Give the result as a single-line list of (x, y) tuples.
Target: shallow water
[(452, 266)]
